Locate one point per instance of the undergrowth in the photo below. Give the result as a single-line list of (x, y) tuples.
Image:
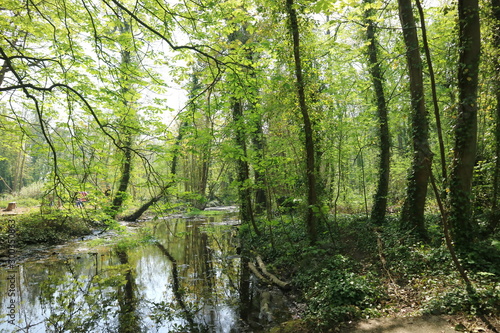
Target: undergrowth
[(46, 228), (358, 271)]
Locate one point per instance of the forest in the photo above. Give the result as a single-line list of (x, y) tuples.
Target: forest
[(359, 139)]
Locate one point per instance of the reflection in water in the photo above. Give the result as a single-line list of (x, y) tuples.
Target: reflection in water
[(188, 280), (128, 317)]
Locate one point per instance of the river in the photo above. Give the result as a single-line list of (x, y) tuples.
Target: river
[(184, 276)]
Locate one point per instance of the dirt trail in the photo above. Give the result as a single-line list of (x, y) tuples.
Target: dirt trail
[(424, 324)]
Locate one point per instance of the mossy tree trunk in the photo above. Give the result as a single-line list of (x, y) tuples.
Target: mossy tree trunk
[(127, 124), (380, 200), (466, 124), (312, 195), (412, 217), (243, 172)]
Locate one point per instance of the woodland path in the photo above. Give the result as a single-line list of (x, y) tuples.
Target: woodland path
[(423, 324)]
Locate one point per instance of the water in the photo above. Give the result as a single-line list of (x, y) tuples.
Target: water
[(187, 280)]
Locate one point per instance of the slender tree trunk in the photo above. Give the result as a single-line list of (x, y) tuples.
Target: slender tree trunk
[(312, 196), (243, 173), (412, 217), (437, 116), (19, 167), (260, 191), (380, 200), (466, 124)]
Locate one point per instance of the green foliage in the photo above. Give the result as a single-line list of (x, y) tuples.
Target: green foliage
[(339, 295), (457, 301), (347, 280), (51, 228), (484, 256)]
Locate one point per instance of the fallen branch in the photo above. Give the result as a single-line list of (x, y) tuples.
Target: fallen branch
[(267, 277)]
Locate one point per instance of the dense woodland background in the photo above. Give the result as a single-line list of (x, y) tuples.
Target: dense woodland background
[(320, 110), (336, 105)]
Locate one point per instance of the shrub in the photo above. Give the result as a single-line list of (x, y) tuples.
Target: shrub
[(46, 228), (486, 301), (340, 295)]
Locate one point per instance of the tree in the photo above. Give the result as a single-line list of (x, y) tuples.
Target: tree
[(464, 152), (380, 200), (312, 197), (412, 217), (240, 138)]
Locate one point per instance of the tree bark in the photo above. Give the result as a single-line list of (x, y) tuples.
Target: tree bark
[(312, 197), (466, 124), (380, 200), (412, 217)]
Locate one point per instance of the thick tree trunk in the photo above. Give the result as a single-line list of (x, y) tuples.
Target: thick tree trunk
[(312, 197), (412, 217), (466, 125), (380, 200), (126, 131)]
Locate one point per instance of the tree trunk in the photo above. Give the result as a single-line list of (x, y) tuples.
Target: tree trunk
[(412, 217), (126, 131), (243, 174), (312, 197), (437, 116), (466, 124), (380, 200), (121, 193), (259, 176)]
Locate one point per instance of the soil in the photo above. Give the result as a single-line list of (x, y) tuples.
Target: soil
[(17, 211), (421, 324)]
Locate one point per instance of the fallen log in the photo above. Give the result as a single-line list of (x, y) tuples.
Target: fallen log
[(267, 277), (259, 276)]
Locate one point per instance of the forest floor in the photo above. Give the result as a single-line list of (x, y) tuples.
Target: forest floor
[(18, 211), (420, 324)]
